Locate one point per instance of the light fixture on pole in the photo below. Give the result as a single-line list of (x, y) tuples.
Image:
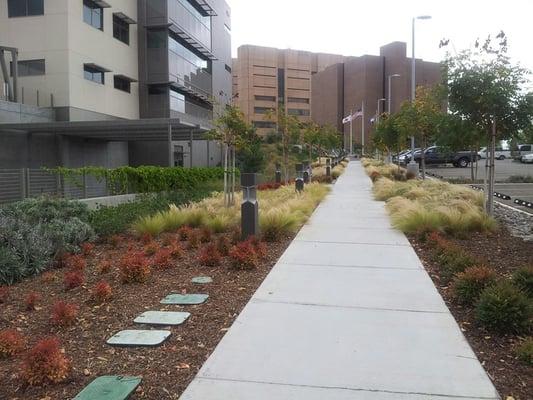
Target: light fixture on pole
[(389, 108), (413, 166)]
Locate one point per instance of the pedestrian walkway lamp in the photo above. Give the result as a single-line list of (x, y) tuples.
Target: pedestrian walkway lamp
[(249, 206), (299, 182)]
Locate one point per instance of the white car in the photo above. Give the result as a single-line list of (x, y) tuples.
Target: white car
[(528, 158), (499, 154)]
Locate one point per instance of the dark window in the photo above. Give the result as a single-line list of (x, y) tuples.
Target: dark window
[(122, 84), (262, 110), (93, 14), (30, 68), (25, 8), (297, 111), (93, 74), (298, 100), (121, 30), (178, 156), (281, 85), (264, 124), (265, 98), (157, 39), (157, 89), (228, 68)]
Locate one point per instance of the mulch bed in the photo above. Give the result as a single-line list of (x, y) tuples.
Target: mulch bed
[(505, 254), (166, 370)]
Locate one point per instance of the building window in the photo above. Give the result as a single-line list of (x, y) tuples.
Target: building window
[(264, 124), (227, 29), (298, 100), (262, 110), (298, 112), (281, 85), (24, 8), (228, 68), (156, 39), (121, 30), (265, 98), (122, 84), (30, 68), (93, 14), (93, 74)]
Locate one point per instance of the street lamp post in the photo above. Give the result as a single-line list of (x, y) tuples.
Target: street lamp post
[(377, 111), (389, 100), (413, 167)]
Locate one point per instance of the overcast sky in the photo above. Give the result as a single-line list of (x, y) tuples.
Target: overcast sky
[(355, 27)]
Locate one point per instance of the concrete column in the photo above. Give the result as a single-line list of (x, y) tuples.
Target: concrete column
[(249, 206), (169, 144)]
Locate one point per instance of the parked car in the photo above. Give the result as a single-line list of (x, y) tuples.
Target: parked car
[(499, 154), (438, 155), (406, 158), (527, 159), (522, 150)]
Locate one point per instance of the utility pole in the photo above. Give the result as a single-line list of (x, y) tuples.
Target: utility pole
[(363, 128)]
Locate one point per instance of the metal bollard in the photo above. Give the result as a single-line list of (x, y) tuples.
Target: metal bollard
[(249, 206), (299, 182), (278, 173), (305, 167), (328, 167)]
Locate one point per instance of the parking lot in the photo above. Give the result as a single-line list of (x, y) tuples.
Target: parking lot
[(504, 170)]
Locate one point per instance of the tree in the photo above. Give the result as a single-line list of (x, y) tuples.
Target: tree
[(487, 90), (233, 132), (328, 138), (311, 136), (387, 136), (251, 158)]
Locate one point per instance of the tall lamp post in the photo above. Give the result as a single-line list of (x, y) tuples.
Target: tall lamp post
[(389, 100), (377, 111), (413, 166)]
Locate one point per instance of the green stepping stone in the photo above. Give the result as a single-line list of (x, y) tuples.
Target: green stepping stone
[(162, 318), (185, 299), (109, 388), (202, 279), (138, 338)]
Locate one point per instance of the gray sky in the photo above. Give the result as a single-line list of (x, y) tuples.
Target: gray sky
[(354, 27)]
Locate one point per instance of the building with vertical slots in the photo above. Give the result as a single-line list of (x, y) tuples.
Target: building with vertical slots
[(114, 82)]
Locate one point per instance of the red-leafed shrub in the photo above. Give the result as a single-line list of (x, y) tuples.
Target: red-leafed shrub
[(134, 268), (87, 248), (76, 262), (194, 239), (468, 285), (236, 235), (151, 248), (205, 235), (104, 266), (146, 238), (114, 240), (164, 259), (259, 246), (4, 294), (45, 363), (244, 256), (11, 343), (167, 239), (102, 291), (375, 175), (184, 232), (48, 277), (73, 279), (176, 251), (63, 313), (223, 245), (268, 186), (31, 300), (209, 255)]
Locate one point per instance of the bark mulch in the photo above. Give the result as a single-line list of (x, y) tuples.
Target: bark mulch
[(166, 370), (496, 353)]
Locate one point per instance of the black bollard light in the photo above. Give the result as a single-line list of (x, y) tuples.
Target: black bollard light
[(299, 182), (278, 173), (305, 167), (249, 206), (328, 167)]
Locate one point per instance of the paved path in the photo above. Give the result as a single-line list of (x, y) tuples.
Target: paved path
[(347, 313)]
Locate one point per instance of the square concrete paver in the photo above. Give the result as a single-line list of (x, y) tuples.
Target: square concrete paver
[(109, 388), (166, 318), (139, 338), (185, 299), (357, 349), (316, 233)]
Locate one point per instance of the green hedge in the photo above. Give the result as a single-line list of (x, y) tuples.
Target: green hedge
[(143, 179)]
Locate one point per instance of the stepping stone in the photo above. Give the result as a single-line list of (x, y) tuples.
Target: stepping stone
[(109, 388), (138, 338), (162, 318), (185, 299), (202, 279)]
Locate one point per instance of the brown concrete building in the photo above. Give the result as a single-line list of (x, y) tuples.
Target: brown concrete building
[(264, 77), (344, 87)]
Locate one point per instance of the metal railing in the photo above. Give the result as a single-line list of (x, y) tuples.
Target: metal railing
[(20, 183), (29, 96)]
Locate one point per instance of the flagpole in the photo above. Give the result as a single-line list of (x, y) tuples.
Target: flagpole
[(363, 129), (351, 132)]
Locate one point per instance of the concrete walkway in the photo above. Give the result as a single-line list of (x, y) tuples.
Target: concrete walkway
[(347, 313)]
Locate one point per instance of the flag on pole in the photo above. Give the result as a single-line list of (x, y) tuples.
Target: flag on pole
[(353, 116)]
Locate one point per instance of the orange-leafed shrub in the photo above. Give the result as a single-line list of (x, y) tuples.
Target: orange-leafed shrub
[(209, 255), (469, 284), (176, 251), (205, 235), (134, 268), (76, 262), (223, 245), (146, 238), (63, 313), (151, 248), (11, 342), (102, 291), (73, 279), (4, 294), (45, 363), (48, 277), (163, 258), (31, 300), (184, 232), (375, 175), (259, 246), (194, 239), (104, 266), (244, 256), (87, 248)]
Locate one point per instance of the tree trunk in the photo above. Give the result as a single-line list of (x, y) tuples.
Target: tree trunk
[(232, 200), (472, 164), (423, 158), (490, 193), (226, 196)]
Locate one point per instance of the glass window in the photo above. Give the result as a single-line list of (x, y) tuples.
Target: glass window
[(93, 74), (298, 100), (157, 39), (264, 124), (24, 8), (298, 112), (227, 29), (177, 101), (265, 98), (262, 110), (122, 84), (121, 30), (228, 68), (30, 68), (93, 14)]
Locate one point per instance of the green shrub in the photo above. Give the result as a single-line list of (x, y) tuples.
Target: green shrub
[(469, 284), (524, 351), (453, 261), (504, 308), (523, 279)]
